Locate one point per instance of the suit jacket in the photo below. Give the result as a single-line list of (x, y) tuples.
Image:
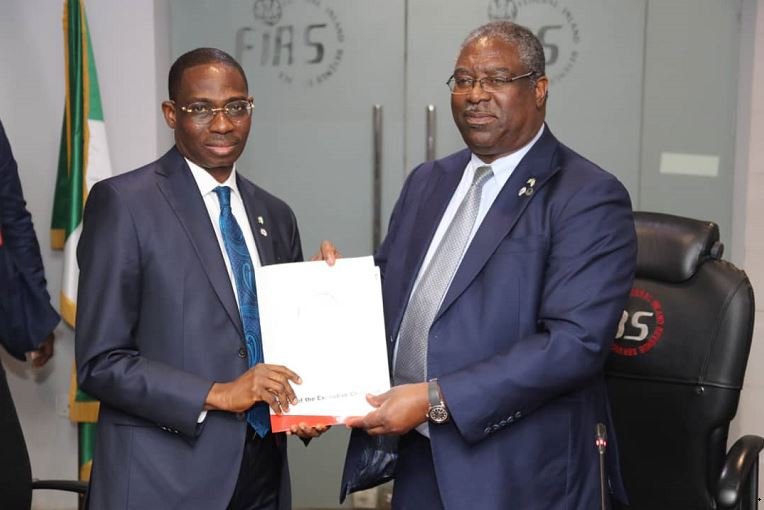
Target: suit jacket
[(157, 324), (26, 316), (522, 335)]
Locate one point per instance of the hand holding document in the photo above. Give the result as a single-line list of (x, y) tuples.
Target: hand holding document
[(326, 324)]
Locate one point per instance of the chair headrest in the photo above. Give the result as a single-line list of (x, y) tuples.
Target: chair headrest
[(670, 248)]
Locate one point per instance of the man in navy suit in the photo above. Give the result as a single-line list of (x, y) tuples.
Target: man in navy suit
[(27, 319), (498, 341), (162, 315)]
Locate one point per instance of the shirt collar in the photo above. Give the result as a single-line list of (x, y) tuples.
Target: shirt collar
[(207, 183)]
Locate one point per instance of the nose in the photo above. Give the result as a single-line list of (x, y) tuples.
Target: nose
[(477, 93), (220, 123)]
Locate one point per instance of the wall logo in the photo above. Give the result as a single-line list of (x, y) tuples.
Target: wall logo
[(502, 9), (641, 326), (552, 23), (268, 11), (302, 41)]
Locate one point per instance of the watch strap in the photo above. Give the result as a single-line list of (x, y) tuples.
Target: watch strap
[(437, 413), (433, 393)]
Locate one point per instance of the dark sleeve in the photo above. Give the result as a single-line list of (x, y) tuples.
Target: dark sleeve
[(18, 231), (22, 262), (295, 245), (110, 364), (383, 252), (589, 273)]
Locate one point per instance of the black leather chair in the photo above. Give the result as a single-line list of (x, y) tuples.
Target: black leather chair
[(16, 483), (676, 372)]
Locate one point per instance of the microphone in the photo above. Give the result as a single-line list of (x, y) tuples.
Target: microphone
[(600, 433), (600, 441)]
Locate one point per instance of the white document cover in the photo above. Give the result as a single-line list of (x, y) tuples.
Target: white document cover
[(326, 324)]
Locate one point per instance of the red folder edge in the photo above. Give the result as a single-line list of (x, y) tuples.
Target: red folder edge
[(283, 423)]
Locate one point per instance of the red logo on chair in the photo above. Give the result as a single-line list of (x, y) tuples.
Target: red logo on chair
[(641, 325)]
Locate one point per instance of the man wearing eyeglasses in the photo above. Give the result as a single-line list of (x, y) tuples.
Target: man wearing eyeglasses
[(168, 334), (505, 271)]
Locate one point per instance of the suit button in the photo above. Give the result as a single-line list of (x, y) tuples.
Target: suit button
[(242, 352)]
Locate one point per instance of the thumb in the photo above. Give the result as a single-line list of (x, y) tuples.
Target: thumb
[(377, 400)]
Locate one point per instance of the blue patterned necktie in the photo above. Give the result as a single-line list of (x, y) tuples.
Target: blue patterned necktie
[(246, 289)]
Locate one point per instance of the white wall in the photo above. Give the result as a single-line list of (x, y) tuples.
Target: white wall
[(132, 65)]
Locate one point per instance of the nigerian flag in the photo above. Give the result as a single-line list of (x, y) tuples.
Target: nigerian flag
[(83, 160)]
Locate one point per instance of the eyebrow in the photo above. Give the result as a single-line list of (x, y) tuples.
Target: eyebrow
[(210, 101), (495, 70)]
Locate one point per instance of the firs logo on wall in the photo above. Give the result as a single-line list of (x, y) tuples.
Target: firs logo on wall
[(554, 25), (641, 326), (299, 40)]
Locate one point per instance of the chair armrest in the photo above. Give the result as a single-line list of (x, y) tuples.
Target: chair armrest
[(743, 455), (61, 485)]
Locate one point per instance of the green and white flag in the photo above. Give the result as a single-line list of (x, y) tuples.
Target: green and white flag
[(84, 154), (82, 161)]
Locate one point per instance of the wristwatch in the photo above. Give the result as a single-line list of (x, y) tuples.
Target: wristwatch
[(437, 413)]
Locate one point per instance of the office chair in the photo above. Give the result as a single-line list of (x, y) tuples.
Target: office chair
[(16, 483), (676, 370)]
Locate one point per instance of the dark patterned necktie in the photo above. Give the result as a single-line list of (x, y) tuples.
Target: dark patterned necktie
[(246, 289), (411, 359)]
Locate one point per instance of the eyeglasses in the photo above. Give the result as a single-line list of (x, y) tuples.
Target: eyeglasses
[(203, 113), (465, 84)]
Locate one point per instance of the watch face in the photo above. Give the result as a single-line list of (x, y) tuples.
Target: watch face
[(438, 414)]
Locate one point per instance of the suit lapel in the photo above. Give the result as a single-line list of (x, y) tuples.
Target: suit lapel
[(179, 188), (538, 164), (260, 220)]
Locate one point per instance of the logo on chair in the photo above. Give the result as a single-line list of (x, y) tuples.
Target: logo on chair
[(641, 325)]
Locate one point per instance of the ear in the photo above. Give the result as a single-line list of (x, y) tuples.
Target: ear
[(168, 110), (541, 91)]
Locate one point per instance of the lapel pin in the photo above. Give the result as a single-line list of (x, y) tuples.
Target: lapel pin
[(263, 232), (260, 220), (528, 189)]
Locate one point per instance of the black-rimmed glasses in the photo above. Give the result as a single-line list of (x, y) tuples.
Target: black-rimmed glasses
[(465, 84)]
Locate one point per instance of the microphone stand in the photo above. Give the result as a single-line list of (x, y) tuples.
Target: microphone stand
[(600, 434)]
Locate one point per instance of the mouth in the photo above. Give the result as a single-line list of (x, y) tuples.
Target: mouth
[(222, 149), (477, 119)]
